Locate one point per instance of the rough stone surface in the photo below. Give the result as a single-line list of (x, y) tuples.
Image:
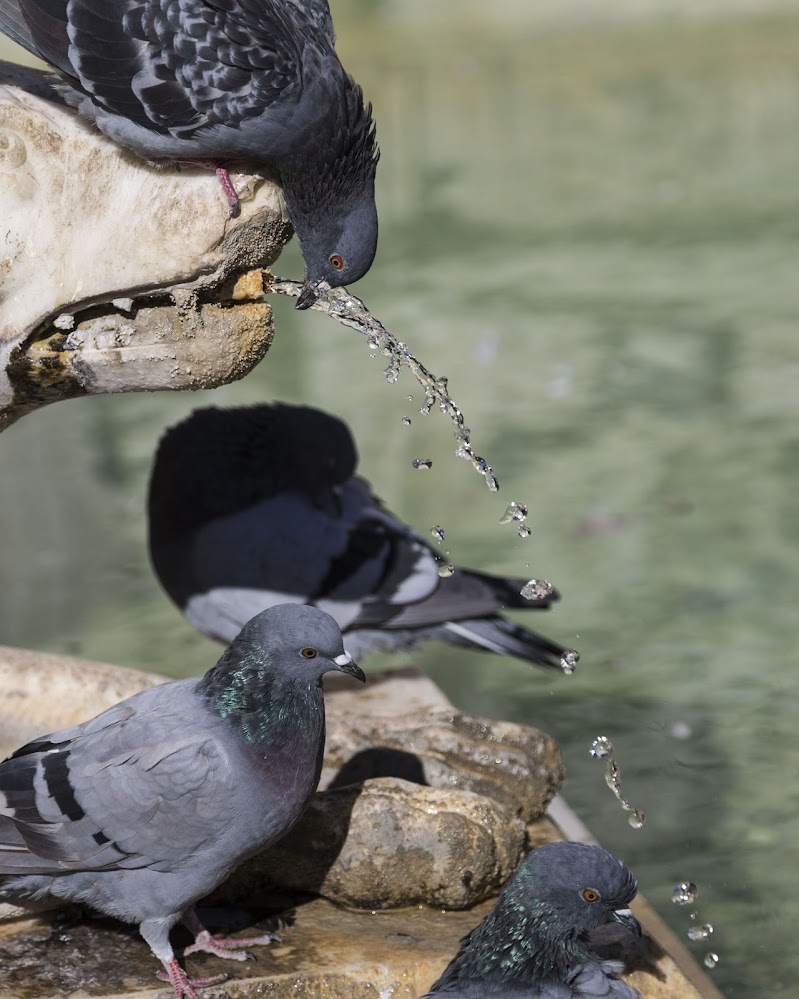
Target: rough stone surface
[(329, 953), (389, 843), (112, 262)]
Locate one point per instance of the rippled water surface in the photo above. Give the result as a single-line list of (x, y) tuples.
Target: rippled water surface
[(590, 225)]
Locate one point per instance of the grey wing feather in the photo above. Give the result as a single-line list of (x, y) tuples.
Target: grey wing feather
[(132, 788), (597, 980), (357, 564), (166, 65)]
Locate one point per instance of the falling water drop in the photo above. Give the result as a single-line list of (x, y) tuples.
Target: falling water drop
[(438, 533), (524, 531), (569, 660), (514, 512), (409, 398), (445, 570), (684, 893), (601, 748), (422, 463), (711, 959), (406, 420), (536, 589), (700, 932)]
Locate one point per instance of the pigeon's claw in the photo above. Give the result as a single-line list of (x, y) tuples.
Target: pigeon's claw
[(230, 191), (230, 948), (185, 987)]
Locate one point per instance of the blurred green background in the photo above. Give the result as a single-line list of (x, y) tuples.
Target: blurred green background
[(589, 222)]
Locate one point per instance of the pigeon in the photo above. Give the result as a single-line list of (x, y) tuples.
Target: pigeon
[(533, 944), (213, 80), (146, 808), (259, 505)]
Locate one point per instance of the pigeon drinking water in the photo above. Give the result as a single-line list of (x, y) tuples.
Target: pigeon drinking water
[(533, 944), (256, 80), (254, 506), (146, 808)]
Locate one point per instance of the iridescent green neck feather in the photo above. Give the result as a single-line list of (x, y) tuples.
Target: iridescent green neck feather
[(265, 703)]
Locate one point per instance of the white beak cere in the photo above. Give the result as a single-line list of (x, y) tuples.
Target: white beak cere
[(344, 660)]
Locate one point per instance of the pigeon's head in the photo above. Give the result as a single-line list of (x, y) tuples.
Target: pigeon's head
[(338, 250), (573, 888), (302, 642), (329, 187)]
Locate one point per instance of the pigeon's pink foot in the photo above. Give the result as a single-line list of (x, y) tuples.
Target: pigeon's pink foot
[(185, 987), (231, 948), (224, 179)]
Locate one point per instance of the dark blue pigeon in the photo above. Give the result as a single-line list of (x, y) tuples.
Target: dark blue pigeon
[(255, 80), (533, 944), (146, 808), (255, 506)]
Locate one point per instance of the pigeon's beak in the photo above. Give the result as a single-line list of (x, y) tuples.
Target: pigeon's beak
[(311, 290), (346, 665), (628, 920)]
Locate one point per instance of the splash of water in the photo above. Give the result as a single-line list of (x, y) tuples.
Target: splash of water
[(536, 589), (350, 311), (602, 749), (684, 893)]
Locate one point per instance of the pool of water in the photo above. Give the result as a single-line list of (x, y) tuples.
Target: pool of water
[(591, 225)]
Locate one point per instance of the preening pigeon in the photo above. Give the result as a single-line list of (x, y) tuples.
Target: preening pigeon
[(257, 80), (254, 506), (146, 808), (532, 945)]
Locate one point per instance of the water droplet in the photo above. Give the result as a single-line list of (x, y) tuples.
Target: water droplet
[(514, 512), (409, 398), (700, 932), (536, 589), (569, 660), (438, 533), (684, 893), (422, 463), (374, 343), (445, 570), (711, 959), (524, 531), (636, 819), (601, 748), (406, 420), (392, 372)]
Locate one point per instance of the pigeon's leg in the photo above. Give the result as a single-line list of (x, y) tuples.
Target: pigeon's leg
[(156, 933), (232, 948), (224, 179)]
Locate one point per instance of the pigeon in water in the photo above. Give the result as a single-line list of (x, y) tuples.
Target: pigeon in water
[(254, 506), (256, 80), (532, 945), (146, 808)]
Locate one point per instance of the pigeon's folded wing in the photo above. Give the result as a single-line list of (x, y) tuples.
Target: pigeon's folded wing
[(356, 563), (169, 66), (597, 980), (130, 789)]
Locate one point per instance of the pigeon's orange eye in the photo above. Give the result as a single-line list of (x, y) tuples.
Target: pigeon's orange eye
[(590, 895), (308, 652), (336, 261)]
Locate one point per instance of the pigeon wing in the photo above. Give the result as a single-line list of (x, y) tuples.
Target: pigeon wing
[(172, 66), (129, 789), (353, 560)]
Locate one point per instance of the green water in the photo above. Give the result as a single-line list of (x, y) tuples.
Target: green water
[(592, 227)]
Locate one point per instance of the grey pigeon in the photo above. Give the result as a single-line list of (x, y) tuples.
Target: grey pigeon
[(146, 808), (533, 943), (215, 80), (254, 506)]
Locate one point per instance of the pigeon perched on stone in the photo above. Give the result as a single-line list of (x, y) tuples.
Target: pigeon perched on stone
[(146, 808), (533, 944), (256, 80), (258, 505)]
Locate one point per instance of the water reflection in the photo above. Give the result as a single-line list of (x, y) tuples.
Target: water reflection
[(592, 231)]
